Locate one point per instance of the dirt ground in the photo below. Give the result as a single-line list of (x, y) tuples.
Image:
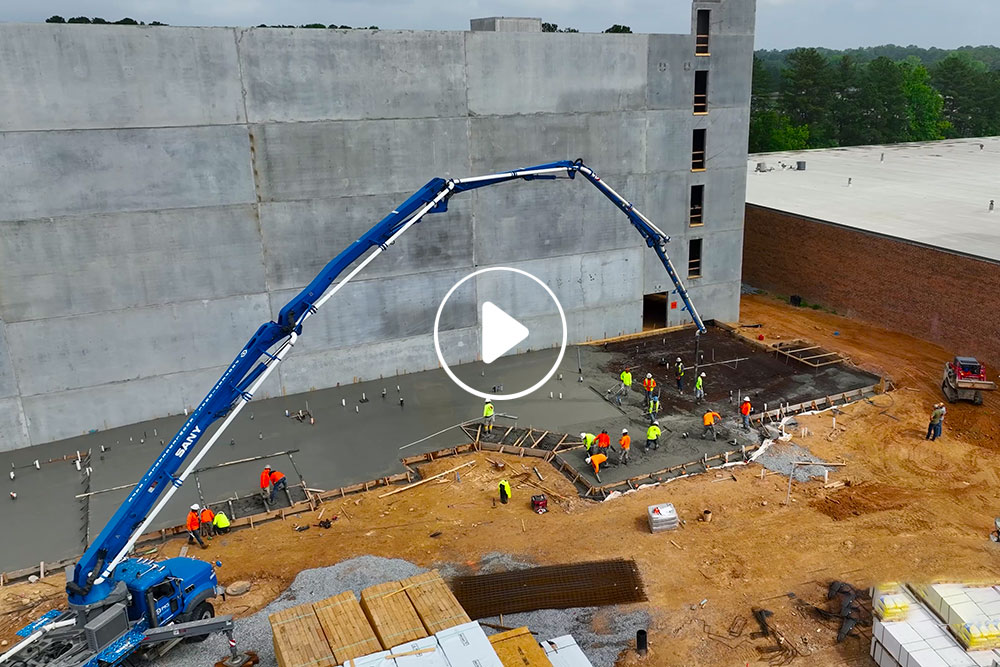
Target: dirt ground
[(915, 511)]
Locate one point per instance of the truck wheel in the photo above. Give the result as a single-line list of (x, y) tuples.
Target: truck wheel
[(202, 612)]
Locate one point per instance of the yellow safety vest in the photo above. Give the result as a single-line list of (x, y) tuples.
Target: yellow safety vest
[(505, 485), (626, 378), (488, 410), (588, 440), (221, 520), (653, 432)]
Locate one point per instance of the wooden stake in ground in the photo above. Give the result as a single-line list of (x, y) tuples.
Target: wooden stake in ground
[(424, 481)]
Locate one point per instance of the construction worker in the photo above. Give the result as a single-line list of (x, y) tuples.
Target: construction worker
[(221, 523), (588, 440), (934, 427), (278, 481), (207, 518), (626, 387), (699, 387), (488, 416), (654, 406), (625, 442), (265, 481), (193, 525), (709, 419), (596, 460), (745, 410), (603, 441), (679, 375), (652, 434), (649, 384), (504, 491)]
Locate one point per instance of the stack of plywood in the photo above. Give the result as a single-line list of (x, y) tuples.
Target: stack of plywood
[(433, 600), (391, 614), (299, 640), (346, 628), (519, 648)]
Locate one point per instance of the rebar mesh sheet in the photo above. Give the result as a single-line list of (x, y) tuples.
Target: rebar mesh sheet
[(591, 584)]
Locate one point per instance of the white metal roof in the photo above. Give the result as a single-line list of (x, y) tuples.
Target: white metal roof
[(934, 193)]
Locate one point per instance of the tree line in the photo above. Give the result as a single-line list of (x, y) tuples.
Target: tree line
[(814, 98)]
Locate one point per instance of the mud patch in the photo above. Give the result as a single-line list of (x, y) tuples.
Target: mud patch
[(860, 499)]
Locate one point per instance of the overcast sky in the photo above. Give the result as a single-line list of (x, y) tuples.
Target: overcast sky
[(780, 23)]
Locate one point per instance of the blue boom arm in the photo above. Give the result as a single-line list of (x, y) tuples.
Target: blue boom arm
[(92, 577)]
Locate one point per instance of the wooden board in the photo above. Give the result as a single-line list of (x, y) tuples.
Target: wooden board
[(519, 648), (435, 604), (299, 640), (391, 614), (346, 627)]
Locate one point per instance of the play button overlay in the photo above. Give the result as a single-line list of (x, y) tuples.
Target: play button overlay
[(500, 332), (514, 308)]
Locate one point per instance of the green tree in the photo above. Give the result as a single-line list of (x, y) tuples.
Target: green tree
[(126, 21), (616, 28), (314, 25), (924, 105), (549, 27), (97, 20), (884, 102), (807, 95), (848, 116), (964, 86), (773, 131), (55, 19), (79, 19)]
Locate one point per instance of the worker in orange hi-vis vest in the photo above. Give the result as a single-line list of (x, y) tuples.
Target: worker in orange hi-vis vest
[(625, 442), (265, 481), (745, 410), (278, 481), (709, 419), (596, 460), (207, 518), (193, 526), (649, 384)]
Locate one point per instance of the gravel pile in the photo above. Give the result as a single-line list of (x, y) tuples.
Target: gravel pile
[(254, 632), (780, 456)]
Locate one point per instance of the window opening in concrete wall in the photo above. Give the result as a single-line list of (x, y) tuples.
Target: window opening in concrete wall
[(694, 258), (654, 311), (701, 33), (696, 218), (701, 91), (698, 150)]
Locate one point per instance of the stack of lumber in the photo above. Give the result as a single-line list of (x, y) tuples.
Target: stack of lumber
[(346, 628), (433, 600), (299, 640), (391, 614), (519, 648)]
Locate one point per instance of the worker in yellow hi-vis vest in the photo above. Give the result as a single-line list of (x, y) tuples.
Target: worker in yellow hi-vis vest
[(504, 491), (488, 416)]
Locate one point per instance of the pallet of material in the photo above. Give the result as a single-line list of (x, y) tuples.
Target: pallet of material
[(436, 606), (391, 614), (346, 628), (299, 640), (518, 648)]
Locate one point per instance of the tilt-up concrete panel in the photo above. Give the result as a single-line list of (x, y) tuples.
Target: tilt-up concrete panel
[(48, 174), (301, 237), (555, 73), (58, 354), (13, 430), (8, 382), (536, 219), (55, 77), (670, 135), (127, 260), (344, 158), (731, 65), (670, 72), (610, 143), (305, 75)]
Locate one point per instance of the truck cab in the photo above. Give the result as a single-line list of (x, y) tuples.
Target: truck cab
[(169, 591)]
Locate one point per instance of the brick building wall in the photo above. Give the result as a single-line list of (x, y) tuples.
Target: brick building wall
[(939, 296)]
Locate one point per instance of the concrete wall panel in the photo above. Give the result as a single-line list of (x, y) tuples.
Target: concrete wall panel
[(305, 75), (337, 159), (68, 173), (13, 431), (729, 80), (555, 73), (612, 143), (127, 260), (302, 236), (8, 382), (670, 72), (55, 77), (669, 139), (59, 354), (531, 220)]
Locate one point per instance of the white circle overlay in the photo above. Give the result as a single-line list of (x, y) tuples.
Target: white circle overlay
[(475, 392)]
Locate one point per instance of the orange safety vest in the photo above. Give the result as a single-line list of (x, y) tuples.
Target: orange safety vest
[(649, 384), (207, 515), (625, 442), (265, 479), (596, 460), (276, 477), (710, 418), (603, 440), (745, 408), (192, 521)]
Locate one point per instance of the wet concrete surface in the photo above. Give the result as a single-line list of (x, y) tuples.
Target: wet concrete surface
[(342, 448)]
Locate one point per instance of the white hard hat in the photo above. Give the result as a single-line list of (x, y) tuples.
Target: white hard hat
[(649, 375), (656, 422), (583, 435), (678, 358), (746, 399), (486, 401), (194, 507), (703, 375), (624, 430), (588, 459)]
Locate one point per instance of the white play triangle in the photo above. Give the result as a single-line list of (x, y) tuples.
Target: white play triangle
[(500, 332)]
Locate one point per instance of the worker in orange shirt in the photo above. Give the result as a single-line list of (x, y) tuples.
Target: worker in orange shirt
[(207, 518), (709, 419), (193, 525), (265, 482), (596, 460), (649, 384), (625, 442), (603, 441), (278, 481), (745, 410)]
